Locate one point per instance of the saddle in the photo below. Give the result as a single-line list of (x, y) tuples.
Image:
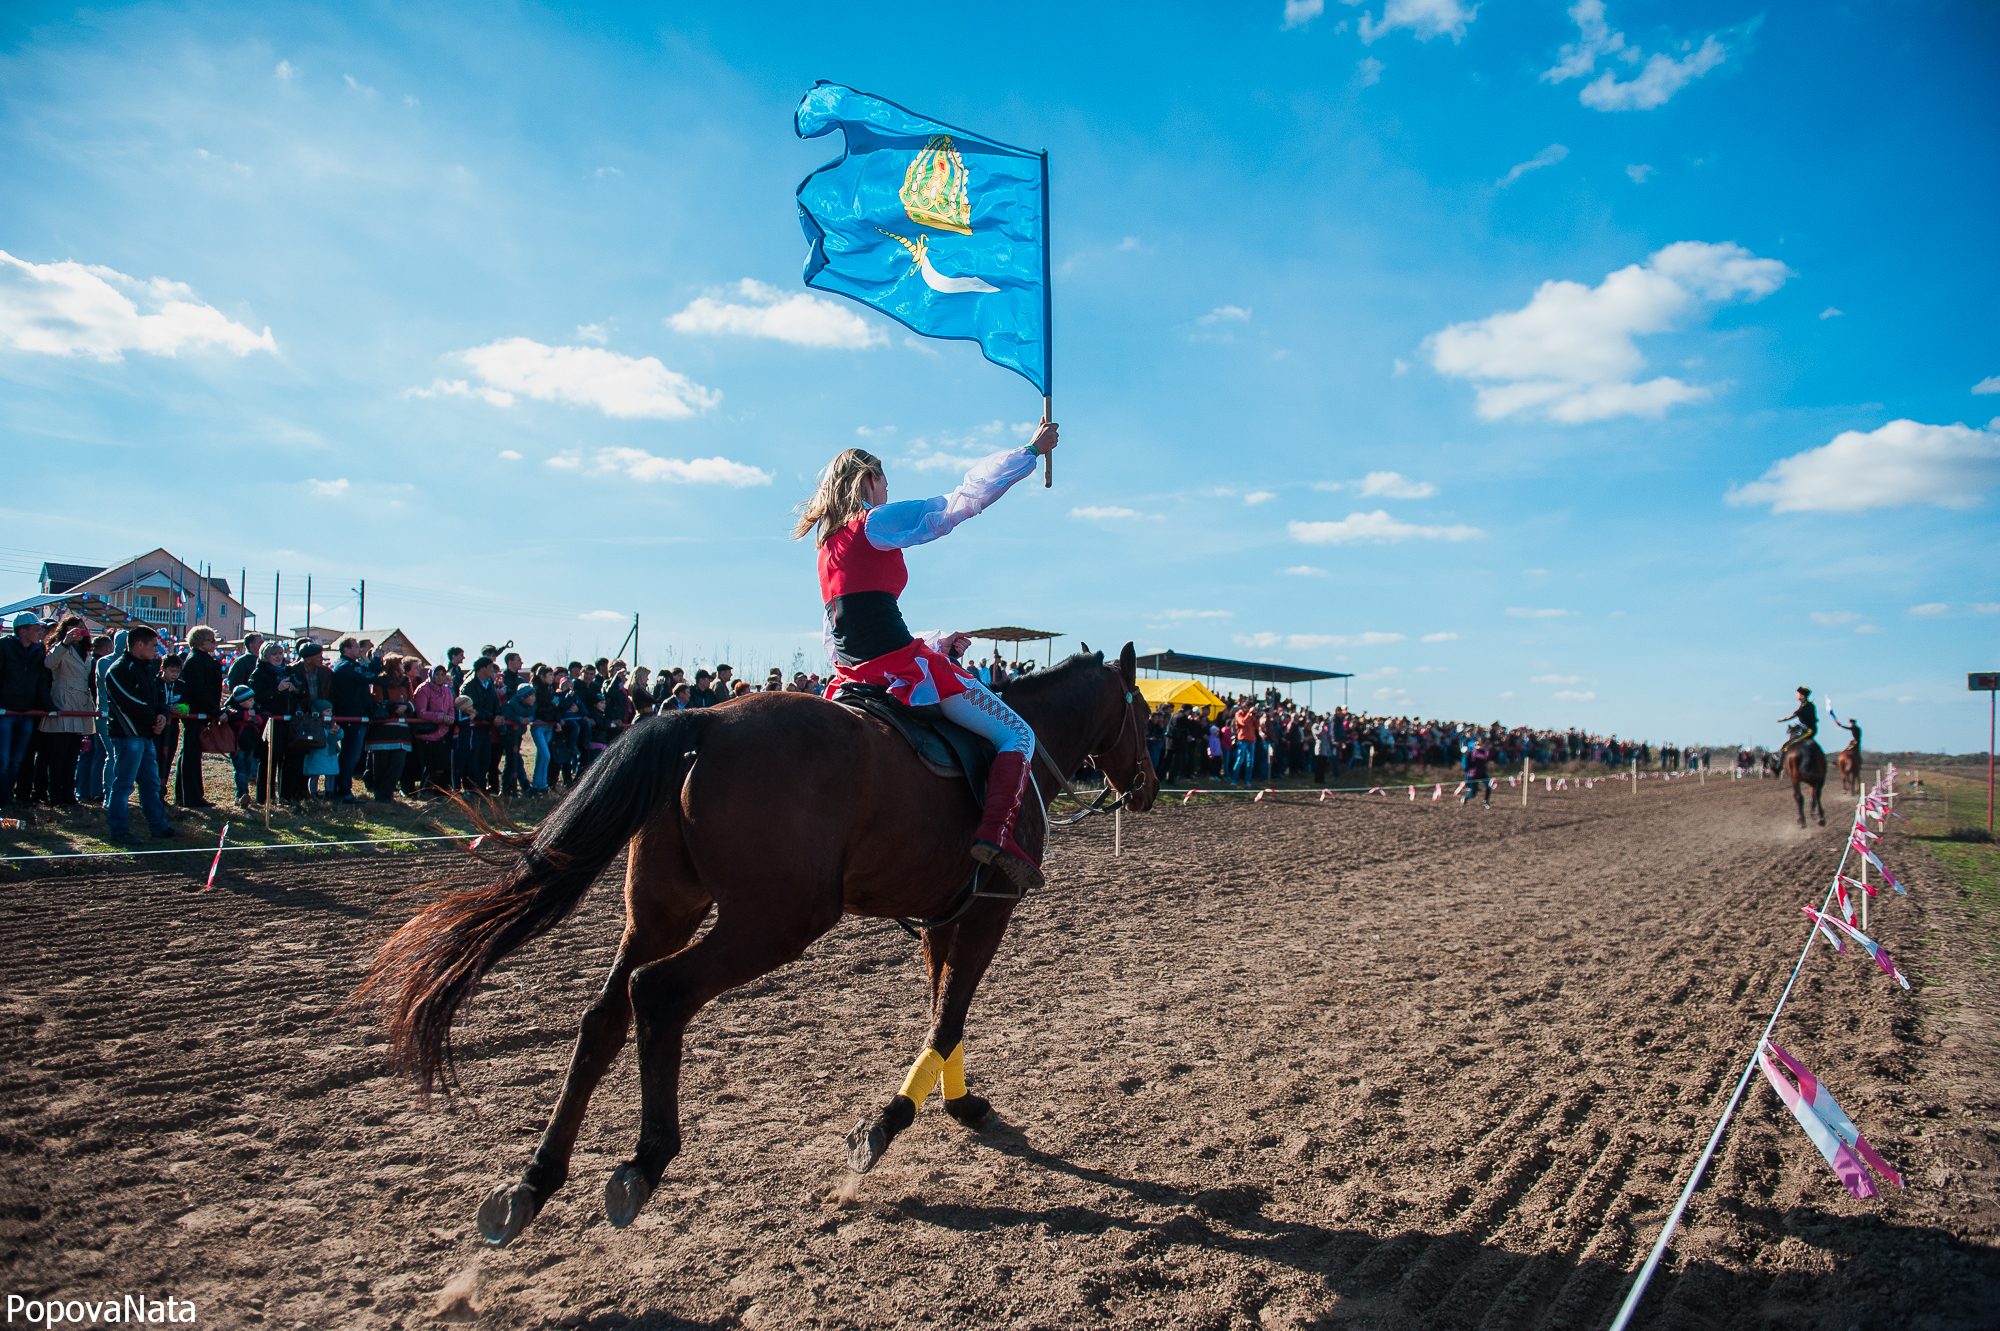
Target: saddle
[(948, 750)]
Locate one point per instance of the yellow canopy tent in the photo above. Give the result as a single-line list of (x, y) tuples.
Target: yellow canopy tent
[(1175, 692)]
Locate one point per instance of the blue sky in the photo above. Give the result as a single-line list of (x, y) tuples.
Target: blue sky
[(1616, 365)]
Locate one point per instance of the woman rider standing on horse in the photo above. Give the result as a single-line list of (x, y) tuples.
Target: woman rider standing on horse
[(1808, 718), (862, 537)]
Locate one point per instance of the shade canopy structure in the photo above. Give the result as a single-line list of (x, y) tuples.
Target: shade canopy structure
[(1217, 667), (1221, 667), (1180, 692), (1010, 633)]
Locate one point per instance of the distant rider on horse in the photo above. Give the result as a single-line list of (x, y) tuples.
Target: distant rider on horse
[(1852, 727), (862, 537), (1808, 718)]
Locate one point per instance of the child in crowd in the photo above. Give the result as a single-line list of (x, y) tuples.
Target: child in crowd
[(325, 760), (249, 754)]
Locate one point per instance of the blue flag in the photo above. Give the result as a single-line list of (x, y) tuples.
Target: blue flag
[(943, 230)]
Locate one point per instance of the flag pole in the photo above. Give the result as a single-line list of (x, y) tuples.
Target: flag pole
[(1048, 331)]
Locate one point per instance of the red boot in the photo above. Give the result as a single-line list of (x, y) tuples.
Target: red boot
[(994, 842)]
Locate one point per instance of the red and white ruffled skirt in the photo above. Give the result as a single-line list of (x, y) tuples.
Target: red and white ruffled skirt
[(915, 675)]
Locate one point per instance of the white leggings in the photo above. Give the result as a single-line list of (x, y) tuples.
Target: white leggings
[(980, 710)]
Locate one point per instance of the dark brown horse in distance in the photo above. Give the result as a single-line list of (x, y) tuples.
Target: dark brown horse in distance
[(1806, 765), (782, 812)]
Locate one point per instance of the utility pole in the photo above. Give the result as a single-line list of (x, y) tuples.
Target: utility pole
[(277, 583), (361, 616), (1982, 683)]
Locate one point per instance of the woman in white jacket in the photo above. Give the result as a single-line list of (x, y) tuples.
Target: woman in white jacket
[(69, 666)]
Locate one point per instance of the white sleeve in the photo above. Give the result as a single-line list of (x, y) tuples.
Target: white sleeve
[(911, 522), (935, 639)]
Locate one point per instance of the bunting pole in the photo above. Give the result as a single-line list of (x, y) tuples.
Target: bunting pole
[(1048, 331)]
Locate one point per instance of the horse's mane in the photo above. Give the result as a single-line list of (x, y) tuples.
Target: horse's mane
[(1055, 677)]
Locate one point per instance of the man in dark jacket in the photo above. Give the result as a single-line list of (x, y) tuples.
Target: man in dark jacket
[(245, 665), (483, 692), (201, 690), (137, 714), (353, 695), (24, 687)]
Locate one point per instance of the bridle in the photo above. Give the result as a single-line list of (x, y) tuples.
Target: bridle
[(1098, 805)]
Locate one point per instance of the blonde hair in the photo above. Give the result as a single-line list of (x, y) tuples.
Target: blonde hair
[(839, 496)]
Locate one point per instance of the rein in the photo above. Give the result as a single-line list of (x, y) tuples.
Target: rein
[(1097, 805)]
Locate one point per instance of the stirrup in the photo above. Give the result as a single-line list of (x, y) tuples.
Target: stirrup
[(1020, 870)]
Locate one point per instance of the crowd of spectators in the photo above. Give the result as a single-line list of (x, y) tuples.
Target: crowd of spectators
[(94, 717), (1252, 740)]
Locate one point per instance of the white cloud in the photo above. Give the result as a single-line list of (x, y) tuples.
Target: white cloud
[(1639, 173), (1256, 497), (619, 386), (1903, 462), (286, 71), (1396, 486), (1831, 313), (1194, 614), (1424, 18), (1830, 618), (1377, 527), (1328, 486), (1524, 612), (1990, 384), (1439, 637), (1298, 13), (1986, 607), (1306, 642), (1225, 314), (1303, 571), (1569, 355), (800, 318), (639, 465), (1127, 245), (1108, 511), (510, 455), (1548, 156), (618, 616), (593, 333), (460, 388), (1397, 365), (73, 309), (1931, 608), (1869, 628), (1658, 80), (1570, 695), (1368, 71), (328, 489), (1557, 679), (603, 171), (358, 86)]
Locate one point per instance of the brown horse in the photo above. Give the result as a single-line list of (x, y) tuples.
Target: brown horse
[(782, 812), (1807, 766), (1850, 770)]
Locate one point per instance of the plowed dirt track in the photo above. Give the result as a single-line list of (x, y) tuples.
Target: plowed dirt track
[(1372, 1064)]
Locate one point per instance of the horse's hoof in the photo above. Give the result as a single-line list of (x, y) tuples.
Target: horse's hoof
[(506, 1212), (624, 1193), (865, 1146), (969, 1110)]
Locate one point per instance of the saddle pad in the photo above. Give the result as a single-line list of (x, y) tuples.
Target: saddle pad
[(948, 750)]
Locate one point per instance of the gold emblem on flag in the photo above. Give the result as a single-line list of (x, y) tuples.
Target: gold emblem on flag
[(934, 192)]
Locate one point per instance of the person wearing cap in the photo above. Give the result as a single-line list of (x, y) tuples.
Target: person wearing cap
[(246, 761), (24, 687), (483, 692), (138, 715), (516, 715)]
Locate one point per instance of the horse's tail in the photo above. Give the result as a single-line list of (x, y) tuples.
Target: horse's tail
[(435, 961)]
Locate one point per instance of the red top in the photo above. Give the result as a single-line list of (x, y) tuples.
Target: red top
[(849, 563)]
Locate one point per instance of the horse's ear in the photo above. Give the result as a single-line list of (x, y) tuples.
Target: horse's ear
[(1086, 646), (1128, 665)]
